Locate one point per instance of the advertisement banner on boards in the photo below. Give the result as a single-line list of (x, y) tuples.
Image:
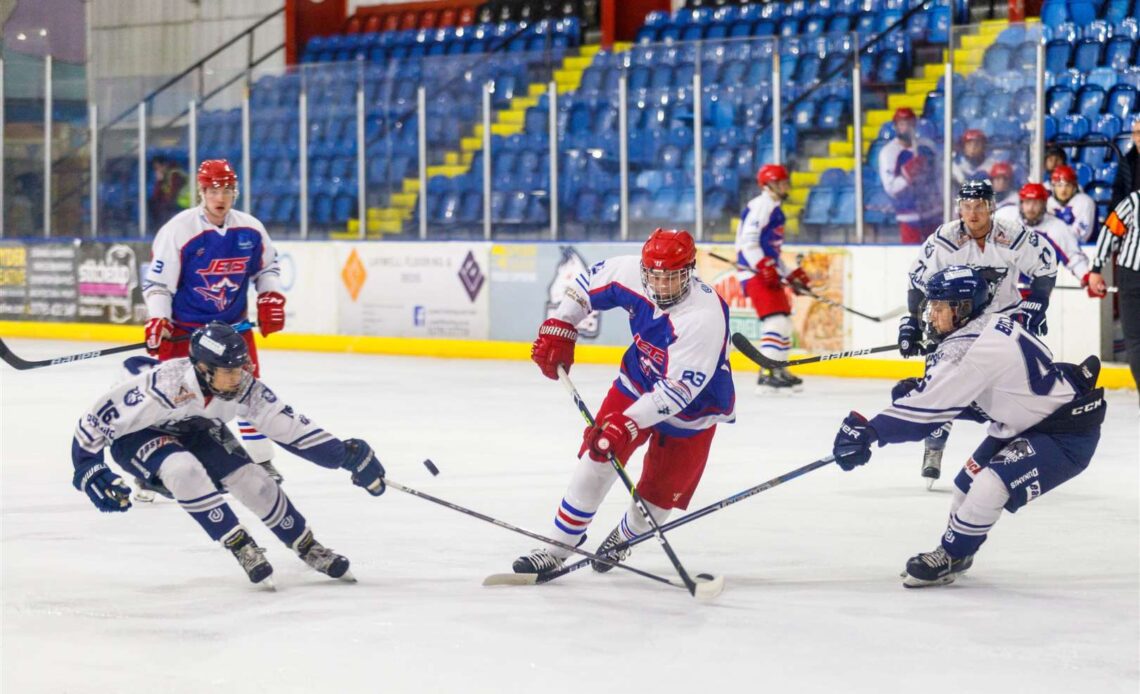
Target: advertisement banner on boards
[(109, 282), (308, 273), (529, 280), (37, 281), (414, 290), (13, 281)]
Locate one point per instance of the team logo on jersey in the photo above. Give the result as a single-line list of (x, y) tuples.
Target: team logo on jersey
[(133, 397), (653, 352), (269, 395), (565, 283), (217, 291), (1016, 451), (216, 515)]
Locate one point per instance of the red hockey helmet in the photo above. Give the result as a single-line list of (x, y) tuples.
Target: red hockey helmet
[(973, 134), (1063, 172), (1002, 168), (667, 261), (216, 173), (771, 173), (904, 113), (1033, 191)]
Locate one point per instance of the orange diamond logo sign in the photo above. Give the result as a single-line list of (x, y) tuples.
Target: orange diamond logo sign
[(353, 274)]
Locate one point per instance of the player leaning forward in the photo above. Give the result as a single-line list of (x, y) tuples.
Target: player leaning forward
[(674, 386), (1002, 249), (202, 263), (1044, 416), (168, 424)]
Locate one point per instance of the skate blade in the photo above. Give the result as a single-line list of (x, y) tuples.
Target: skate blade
[(267, 584), (347, 577), (144, 497), (708, 586), (511, 580), (930, 484), (912, 582)]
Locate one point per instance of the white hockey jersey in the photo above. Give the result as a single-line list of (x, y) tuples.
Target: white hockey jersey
[(1058, 234), (760, 234), (169, 398), (1079, 214), (991, 370), (677, 367), (199, 273), (1009, 249)]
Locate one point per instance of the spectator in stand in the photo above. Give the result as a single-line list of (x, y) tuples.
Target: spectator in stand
[(972, 161), (909, 169), (1001, 176), (166, 191), (1054, 157), (1128, 172)]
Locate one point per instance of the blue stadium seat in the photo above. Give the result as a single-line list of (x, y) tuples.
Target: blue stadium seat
[(1054, 12), (1058, 53), (1086, 54), (1103, 77), (1059, 101), (1084, 174), (1122, 101), (843, 210), (997, 58), (1090, 101), (1118, 53), (1075, 126), (1106, 124), (817, 209)]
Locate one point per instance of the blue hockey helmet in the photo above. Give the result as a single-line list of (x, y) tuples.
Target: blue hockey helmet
[(976, 189), (960, 287), (221, 360)]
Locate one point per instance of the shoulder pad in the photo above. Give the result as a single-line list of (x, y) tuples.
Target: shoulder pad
[(951, 235)]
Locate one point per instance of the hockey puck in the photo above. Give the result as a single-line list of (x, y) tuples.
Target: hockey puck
[(706, 577), (431, 467)]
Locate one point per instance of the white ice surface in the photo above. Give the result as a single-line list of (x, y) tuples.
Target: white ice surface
[(145, 602)]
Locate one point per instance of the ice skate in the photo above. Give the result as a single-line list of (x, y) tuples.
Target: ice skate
[(322, 559), (147, 490), (271, 471), (778, 380), (614, 539), (251, 557), (934, 569), (932, 465), (539, 561)]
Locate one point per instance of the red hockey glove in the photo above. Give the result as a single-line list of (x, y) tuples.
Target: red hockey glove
[(554, 347), (799, 280), (157, 330), (914, 169), (270, 312), (767, 273), (614, 435)]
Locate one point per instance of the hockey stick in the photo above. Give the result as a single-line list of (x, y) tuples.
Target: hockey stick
[(703, 590), (749, 350), (23, 365), (1110, 290), (590, 556), (806, 291), (534, 579)]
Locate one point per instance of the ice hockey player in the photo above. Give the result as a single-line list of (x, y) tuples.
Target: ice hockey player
[(759, 238), (1044, 416), (1030, 211), (999, 249), (674, 386), (167, 424), (202, 263), (1070, 205)]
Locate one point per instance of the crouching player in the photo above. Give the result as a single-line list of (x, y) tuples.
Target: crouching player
[(1044, 416), (167, 424)]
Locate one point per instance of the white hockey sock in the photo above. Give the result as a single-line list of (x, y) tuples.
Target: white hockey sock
[(257, 444), (776, 337), (258, 492), (634, 523), (188, 481), (588, 486), (971, 521)]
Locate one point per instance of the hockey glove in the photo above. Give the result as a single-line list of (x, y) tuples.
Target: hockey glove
[(366, 469), (767, 273), (270, 312), (105, 489), (157, 330), (614, 435), (554, 347), (1031, 314), (915, 169), (1093, 282), (852, 446), (904, 388), (910, 336), (799, 281)]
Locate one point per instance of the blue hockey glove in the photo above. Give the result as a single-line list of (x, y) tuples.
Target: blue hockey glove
[(904, 388), (910, 337), (1031, 314), (105, 489), (853, 441), (366, 469)]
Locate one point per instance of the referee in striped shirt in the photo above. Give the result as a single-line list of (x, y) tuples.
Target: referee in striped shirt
[(1119, 234)]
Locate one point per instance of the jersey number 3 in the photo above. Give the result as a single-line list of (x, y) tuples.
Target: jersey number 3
[(1043, 375)]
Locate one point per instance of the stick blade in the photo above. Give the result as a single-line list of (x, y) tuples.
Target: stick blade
[(708, 586), (745, 346), (511, 580)]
